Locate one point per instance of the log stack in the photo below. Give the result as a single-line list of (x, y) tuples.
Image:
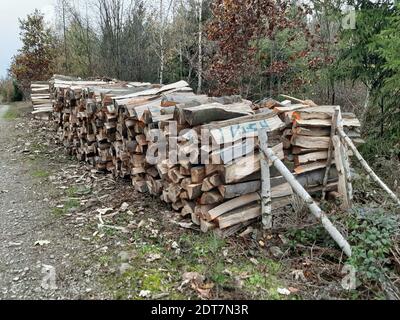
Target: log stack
[(86, 118), (312, 136), (197, 153), (41, 100), (307, 138)]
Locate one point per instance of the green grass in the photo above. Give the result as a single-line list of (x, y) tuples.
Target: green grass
[(11, 114), (68, 205), (40, 174), (199, 253), (16, 110), (76, 192)]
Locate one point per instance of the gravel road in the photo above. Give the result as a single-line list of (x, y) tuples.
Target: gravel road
[(37, 249)]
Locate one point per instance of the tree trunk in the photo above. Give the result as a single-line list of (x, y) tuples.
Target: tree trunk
[(65, 37), (161, 43), (200, 67), (383, 116), (266, 201), (365, 108)]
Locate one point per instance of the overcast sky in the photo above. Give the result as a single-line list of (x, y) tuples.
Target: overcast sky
[(10, 11)]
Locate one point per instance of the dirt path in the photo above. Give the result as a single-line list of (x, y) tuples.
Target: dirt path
[(37, 248)]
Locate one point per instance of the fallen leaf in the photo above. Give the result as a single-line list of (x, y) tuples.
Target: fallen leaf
[(145, 294), (194, 277), (141, 224), (104, 211), (153, 257), (276, 252), (15, 244), (124, 207), (298, 274), (175, 245), (42, 243), (186, 225), (204, 293), (283, 291), (293, 290)]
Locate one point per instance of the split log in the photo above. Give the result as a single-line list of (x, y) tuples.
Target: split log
[(206, 226), (326, 123), (211, 197), (225, 233), (238, 217), (238, 150), (310, 167), (188, 208), (291, 108), (215, 112), (203, 210), (198, 174), (232, 205), (316, 132), (194, 191), (311, 142), (240, 189), (309, 157), (234, 132), (211, 183), (244, 167)]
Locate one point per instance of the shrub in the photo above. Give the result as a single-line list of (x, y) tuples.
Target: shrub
[(10, 91), (371, 234)]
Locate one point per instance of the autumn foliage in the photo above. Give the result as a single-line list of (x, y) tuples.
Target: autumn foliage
[(245, 32), (35, 59)]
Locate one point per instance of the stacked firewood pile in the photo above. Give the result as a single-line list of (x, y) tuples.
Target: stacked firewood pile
[(309, 144), (41, 100), (91, 127), (197, 153)]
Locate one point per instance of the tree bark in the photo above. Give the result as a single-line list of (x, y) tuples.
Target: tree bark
[(200, 66), (266, 201), (161, 43)]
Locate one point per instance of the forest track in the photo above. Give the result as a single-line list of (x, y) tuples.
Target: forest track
[(28, 269)]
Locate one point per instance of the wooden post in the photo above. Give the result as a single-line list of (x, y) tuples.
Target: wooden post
[(266, 201), (367, 168), (315, 210), (330, 152), (346, 162), (340, 166)]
